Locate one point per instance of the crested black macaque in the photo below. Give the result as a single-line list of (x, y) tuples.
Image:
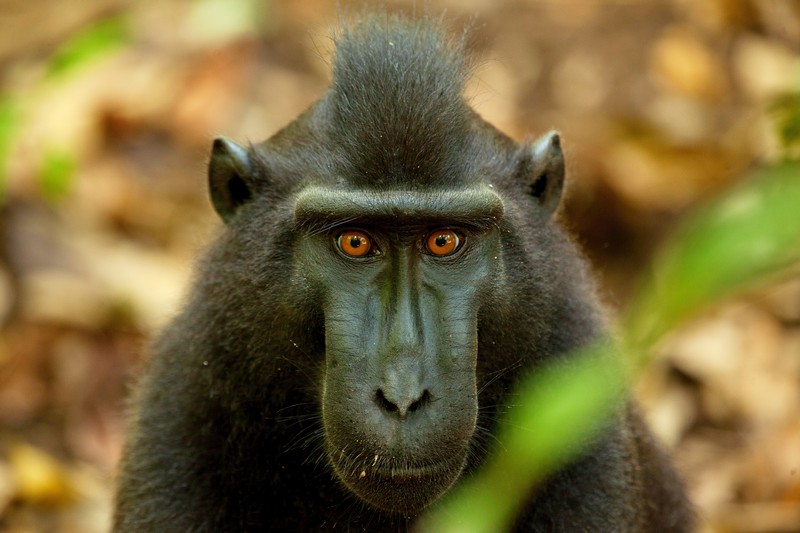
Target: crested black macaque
[(388, 269)]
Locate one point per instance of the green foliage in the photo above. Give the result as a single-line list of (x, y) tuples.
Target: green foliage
[(733, 244), (57, 167), (562, 407), (786, 112), (9, 123), (87, 45), (748, 236), (56, 174)]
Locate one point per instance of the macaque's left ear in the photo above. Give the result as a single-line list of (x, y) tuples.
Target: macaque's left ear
[(229, 177), (546, 174)]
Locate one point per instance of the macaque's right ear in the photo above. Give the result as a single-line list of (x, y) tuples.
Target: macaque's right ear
[(547, 176), (229, 172)]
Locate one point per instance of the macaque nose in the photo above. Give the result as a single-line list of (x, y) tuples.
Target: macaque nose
[(401, 402)]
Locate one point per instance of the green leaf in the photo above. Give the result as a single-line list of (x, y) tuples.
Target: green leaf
[(88, 44), (786, 111), (56, 174), (562, 407), (729, 246), (9, 124)]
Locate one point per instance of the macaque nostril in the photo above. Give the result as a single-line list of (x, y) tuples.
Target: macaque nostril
[(384, 403), (419, 403)]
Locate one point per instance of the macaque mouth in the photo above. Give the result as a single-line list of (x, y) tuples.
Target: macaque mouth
[(396, 485), (388, 467), (411, 472)]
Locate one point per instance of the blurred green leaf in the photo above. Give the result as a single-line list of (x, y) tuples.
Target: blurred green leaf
[(731, 245), (786, 110), (88, 44), (57, 171), (735, 243), (9, 123), (562, 407)]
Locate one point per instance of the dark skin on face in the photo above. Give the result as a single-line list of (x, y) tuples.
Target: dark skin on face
[(402, 273)]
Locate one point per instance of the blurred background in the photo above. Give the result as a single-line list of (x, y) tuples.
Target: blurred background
[(107, 112)]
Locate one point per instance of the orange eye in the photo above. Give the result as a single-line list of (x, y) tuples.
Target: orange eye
[(443, 242), (354, 243)]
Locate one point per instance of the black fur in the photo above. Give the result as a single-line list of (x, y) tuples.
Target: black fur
[(270, 370)]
